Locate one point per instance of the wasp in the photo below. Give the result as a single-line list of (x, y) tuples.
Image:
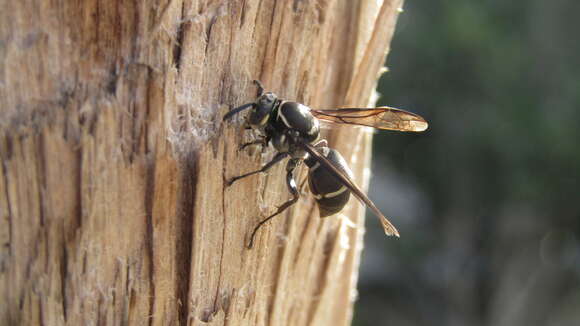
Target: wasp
[(294, 131)]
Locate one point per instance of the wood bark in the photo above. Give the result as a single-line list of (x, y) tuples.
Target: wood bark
[(113, 206)]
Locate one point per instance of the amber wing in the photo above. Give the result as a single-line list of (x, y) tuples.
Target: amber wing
[(381, 118), (356, 191)]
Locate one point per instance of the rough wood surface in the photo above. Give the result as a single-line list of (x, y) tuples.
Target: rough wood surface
[(113, 208)]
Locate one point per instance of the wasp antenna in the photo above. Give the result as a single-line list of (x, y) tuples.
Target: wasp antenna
[(260, 87)]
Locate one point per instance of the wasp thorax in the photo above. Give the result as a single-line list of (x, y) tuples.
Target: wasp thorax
[(264, 106)]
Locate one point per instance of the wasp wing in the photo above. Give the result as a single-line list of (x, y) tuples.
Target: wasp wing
[(381, 118), (347, 182)]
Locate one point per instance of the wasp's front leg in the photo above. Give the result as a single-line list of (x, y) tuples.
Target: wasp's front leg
[(262, 141), (279, 157)]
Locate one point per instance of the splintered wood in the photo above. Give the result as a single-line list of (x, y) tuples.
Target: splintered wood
[(113, 203)]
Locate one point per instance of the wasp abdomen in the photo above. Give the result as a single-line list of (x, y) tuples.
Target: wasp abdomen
[(331, 195)]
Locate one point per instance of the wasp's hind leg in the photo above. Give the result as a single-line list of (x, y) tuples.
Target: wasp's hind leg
[(291, 183), (279, 157)]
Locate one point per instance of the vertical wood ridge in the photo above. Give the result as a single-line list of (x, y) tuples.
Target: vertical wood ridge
[(113, 205)]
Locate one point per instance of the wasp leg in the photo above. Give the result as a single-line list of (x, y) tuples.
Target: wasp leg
[(262, 141), (279, 157), (291, 183), (321, 143)]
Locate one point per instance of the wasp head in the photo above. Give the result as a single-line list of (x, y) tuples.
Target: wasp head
[(261, 111)]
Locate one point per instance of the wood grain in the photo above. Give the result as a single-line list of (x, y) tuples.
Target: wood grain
[(113, 206)]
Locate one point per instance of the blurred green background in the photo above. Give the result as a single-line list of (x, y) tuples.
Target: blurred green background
[(487, 200)]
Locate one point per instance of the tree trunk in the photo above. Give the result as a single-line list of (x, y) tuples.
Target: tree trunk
[(113, 206)]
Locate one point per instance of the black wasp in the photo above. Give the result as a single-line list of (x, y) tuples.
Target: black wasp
[(294, 129)]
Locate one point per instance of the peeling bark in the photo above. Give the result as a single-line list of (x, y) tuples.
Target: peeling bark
[(113, 206)]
